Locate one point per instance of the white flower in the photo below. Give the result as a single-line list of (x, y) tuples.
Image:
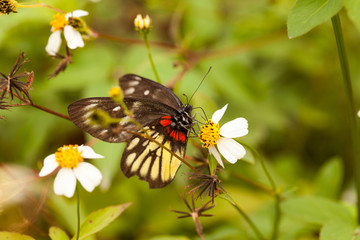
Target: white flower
[(71, 160), (219, 139), (142, 23), (66, 23)]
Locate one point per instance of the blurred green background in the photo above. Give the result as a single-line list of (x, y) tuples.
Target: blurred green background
[(290, 91)]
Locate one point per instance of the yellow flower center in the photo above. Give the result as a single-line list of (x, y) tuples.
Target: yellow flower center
[(68, 156), (59, 22), (116, 94), (209, 134)]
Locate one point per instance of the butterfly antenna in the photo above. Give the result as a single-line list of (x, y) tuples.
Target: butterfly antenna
[(199, 84)]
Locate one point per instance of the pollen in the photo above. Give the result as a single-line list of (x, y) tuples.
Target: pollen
[(59, 22), (209, 134), (68, 156)]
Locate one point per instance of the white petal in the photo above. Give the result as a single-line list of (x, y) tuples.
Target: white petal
[(147, 21), (50, 164), (54, 43), (218, 114), (235, 128), (216, 154), (73, 37), (88, 152), (88, 175), (65, 182), (230, 149), (76, 13)]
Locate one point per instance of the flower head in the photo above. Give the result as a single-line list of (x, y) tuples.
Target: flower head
[(208, 185), (8, 6), (142, 24), (116, 94), (72, 26), (219, 139), (195, 213), (70, 158), (11, 83)]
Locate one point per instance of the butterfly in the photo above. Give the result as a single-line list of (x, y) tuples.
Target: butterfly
[(158, 110)]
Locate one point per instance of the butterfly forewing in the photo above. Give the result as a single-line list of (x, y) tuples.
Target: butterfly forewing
[(134, 86), (144, 112), (158, 110), (80, 114)]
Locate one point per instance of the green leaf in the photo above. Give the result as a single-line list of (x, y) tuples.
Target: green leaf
[(353, 9), (99, 219), (14, 236), (330, 178), (316, 210), (212, 163), (335, 230), (168, 237), (307, 14), (56, 233), (249, 158)]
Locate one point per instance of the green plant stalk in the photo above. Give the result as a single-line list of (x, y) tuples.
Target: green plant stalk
[(277, 216), (150, 57), (227, 197), (77, 213), (355, 137)]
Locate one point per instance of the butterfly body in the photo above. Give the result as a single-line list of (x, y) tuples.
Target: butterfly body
[(161, 114)]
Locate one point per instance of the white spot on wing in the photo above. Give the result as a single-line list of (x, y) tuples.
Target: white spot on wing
[(133, 143), (130, 90), (133, 83), (103, 132), (90, 106), (137, 78), (116, 108), (146, 92)]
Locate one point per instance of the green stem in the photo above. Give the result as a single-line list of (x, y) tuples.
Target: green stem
[(276, 191), (77, 213), (244, 215), (150, 57), (352, 110)]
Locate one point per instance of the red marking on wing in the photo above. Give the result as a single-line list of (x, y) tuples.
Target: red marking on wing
[(165, 121), (178, 136)]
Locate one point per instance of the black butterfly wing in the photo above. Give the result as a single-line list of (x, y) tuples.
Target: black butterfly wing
[(158, 110), (144, 112), (149, 161), (141, 156), (134, 86)]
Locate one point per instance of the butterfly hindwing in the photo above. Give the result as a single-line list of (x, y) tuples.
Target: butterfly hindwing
[(151, 162)]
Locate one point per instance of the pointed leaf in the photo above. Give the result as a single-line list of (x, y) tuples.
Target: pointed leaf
[(353, 9), (316, 210), (212, 163), (330, 178), (14, 236), (337, 229), (99, 219), (307, 14), (56, 233)]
